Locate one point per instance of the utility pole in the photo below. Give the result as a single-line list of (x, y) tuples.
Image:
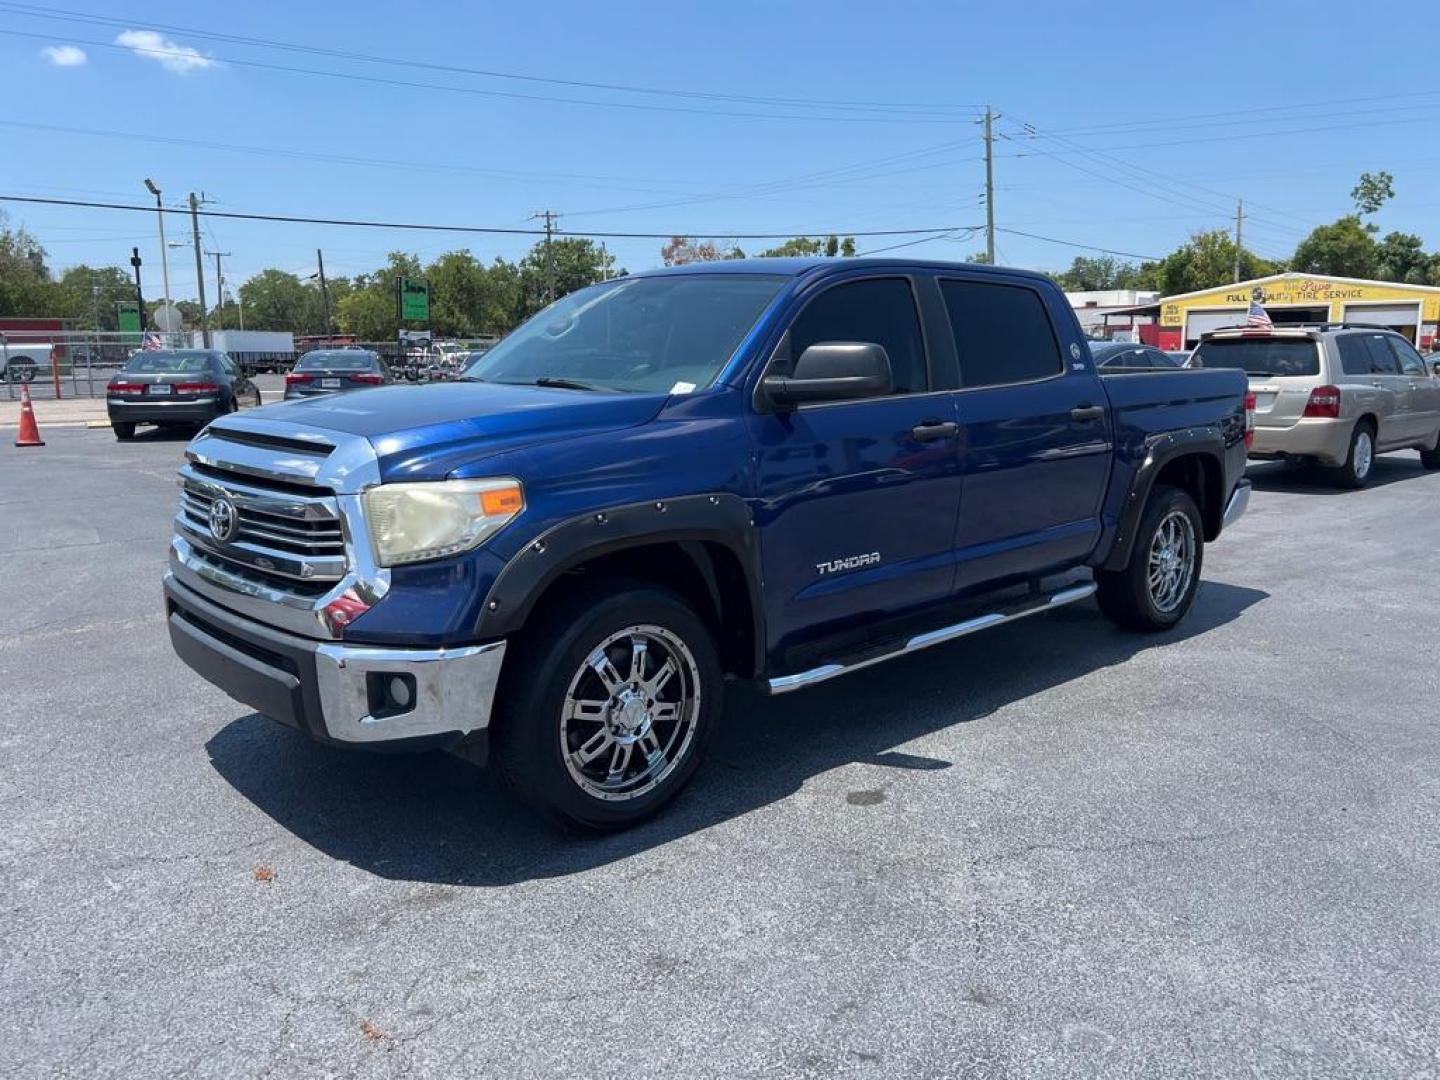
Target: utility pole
[(324, 290), (550, 218), (219, 281), (989, 187), (139, 295), (1239, 233), (199, 267)]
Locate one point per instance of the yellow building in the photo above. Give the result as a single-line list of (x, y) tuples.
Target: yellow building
[(1413, 310)]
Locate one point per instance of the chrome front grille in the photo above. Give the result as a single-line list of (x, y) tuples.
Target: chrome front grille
[(292, 545), (282, 538)]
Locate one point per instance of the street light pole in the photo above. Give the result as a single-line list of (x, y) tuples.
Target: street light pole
[(164, 256)]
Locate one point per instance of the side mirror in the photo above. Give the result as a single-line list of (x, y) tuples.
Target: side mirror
[(1436, 367), (832, 371)]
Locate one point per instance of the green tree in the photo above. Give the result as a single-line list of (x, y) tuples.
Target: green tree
[(1091, 274), (1373, 191), (370, 309), (1401, 257), (1344, 248), (87, 293), (457, 293), (1207, 260), (808, 246), (25, 286), (573, 262), (275, 300)]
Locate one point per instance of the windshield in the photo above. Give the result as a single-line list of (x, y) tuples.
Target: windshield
[(169, 361), (1273, 357), (658, 335), (336, 361)]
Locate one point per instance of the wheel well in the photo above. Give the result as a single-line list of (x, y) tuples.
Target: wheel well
[(1198, 474), (1371, 419), (708, 576)]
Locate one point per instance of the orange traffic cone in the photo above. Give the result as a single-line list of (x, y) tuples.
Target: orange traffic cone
[(29, 432)]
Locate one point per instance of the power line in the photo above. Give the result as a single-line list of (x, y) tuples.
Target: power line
[(297, 219), (1140, 173), (1073, 244), (669, 92), (475, 90), (969, 232), (840, 174)]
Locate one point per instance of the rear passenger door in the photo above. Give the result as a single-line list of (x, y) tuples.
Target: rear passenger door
[(1397, 425), (1035, 435)]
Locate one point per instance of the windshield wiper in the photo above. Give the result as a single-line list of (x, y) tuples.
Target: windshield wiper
[(563, 384)]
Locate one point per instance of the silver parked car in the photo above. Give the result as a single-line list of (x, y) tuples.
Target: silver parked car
[(1337, 394)]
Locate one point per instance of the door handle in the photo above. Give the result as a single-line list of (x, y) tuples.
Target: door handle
[(1087, 412), (935, 430)]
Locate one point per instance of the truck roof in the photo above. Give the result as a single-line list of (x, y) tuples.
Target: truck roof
[(796, 267)]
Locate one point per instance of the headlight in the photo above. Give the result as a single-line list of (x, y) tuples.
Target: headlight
[(413, 522)]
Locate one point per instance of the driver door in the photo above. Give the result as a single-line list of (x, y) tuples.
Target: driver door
[(857, 499)]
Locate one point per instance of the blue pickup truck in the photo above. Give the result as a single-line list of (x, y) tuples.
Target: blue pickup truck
[(781, 471)]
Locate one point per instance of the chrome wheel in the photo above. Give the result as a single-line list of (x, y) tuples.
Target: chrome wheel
[(1364, 454), (1172, 561), (629, 713)]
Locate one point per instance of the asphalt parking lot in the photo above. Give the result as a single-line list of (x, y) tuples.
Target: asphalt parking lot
[(1052, 850)]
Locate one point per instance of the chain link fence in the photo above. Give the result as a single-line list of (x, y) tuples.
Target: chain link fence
[(79, 364)]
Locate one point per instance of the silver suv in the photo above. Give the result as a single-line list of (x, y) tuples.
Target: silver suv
[(1337, 394)]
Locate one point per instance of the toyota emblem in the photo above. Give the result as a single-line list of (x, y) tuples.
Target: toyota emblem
[(223, 520)]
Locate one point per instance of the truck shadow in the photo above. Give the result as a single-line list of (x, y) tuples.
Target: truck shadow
[(433, 818)]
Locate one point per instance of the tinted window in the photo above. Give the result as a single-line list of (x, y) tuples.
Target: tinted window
[(1002, 333), (344, 360), (1354, 356), (881, 311), (168, 361), (1410, 362), (1382, 360), (1263, 356)]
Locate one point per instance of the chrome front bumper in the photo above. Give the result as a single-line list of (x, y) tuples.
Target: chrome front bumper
[(334, 691), (1238, 504)]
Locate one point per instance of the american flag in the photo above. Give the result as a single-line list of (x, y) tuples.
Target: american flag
[(151, 342), (1258, 316)]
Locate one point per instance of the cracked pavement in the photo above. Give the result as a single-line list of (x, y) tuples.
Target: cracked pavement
[(1051, 850)]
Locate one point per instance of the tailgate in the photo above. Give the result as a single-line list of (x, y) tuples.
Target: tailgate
[(1278, 402)]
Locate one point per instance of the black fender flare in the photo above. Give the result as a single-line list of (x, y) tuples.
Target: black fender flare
[(1160, 450), (688, 522)]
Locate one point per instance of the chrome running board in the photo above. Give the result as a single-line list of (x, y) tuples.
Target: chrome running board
[(785, 683)]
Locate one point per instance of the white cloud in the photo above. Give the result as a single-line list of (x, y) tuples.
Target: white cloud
[(181, 59), (64, 55)]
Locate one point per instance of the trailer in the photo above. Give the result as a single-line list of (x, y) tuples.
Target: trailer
[(254, 350)]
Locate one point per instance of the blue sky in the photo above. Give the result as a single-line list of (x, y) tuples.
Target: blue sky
[(1146, 122)]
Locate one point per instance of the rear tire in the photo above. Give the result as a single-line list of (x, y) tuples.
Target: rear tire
[(587, 735), (123, 431), (1360, 461), (1157, 587)]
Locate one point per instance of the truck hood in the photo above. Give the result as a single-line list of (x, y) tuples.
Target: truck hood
[(425, 432)]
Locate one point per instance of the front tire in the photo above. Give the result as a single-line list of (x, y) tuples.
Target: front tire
[(1157, 587), (1360, 461), (1430, 459), (608, 709)]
